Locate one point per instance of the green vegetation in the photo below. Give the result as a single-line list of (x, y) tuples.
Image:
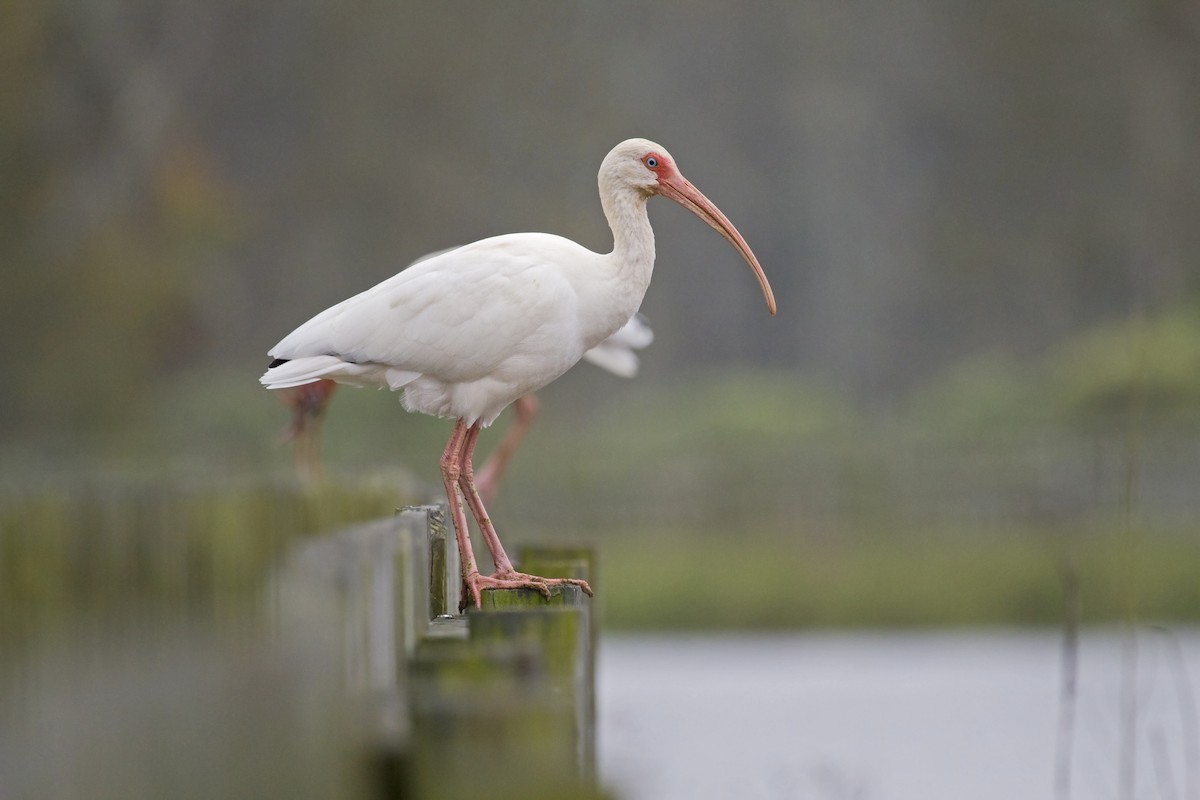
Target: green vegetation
[(899, 578), (1087, 382)]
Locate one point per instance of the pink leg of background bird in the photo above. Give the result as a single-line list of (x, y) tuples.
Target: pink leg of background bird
[(488, 481), (307, 404), (459, 480)]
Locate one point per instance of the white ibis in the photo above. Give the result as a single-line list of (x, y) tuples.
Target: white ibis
[(467, 332)]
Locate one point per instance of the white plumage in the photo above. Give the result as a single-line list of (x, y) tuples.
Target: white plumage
[(466, 332), (463, 333)]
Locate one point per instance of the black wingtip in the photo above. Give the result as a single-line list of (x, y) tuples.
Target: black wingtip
[(276, 363)]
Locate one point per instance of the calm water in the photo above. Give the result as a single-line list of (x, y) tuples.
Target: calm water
[(891, 716)]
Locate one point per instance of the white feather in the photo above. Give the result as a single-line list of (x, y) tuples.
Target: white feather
[(615, 354)]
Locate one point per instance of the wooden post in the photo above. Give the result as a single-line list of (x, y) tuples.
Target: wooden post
[(374, 584), (499, 702), (443, 580), (574, 561), (355, 587), (486, 720), (560, 627)]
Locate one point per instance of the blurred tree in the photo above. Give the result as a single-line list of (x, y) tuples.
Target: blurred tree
[(923, 179), (113, 207)]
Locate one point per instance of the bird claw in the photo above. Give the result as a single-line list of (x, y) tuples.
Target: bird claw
[(474, 584)]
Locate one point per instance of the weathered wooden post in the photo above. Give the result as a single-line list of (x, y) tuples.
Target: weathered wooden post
[(442, 581), (502, 699), (574, 561), (558, 626), (372, 585), (499, 701), (564, 561), (486, 720)]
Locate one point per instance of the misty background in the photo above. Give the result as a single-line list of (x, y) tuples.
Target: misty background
[(980, 224)]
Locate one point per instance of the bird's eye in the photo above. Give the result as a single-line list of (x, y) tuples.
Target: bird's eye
[(651, 162)]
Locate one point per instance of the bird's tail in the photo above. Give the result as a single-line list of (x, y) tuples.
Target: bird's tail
[(285, 373)]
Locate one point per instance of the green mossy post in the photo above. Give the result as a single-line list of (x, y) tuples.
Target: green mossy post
[(443, 574), (487, 719), (443, 564), (573, 561), (559, 561), (558, 626)]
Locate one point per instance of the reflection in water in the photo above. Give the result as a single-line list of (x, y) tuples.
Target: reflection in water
[(887, 715)]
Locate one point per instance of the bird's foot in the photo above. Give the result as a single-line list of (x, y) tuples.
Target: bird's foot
[(475, 583)]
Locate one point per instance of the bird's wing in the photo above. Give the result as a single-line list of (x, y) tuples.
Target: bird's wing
[(455, 315), (620, 361), (615, 354), (635, 334)]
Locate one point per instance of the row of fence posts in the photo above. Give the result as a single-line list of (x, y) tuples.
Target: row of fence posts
[(499, 701)]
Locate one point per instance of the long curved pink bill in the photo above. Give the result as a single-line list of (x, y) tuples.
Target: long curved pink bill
[(681, 190)]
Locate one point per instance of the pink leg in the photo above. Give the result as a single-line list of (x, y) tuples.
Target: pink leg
[(451, 466), (307, 404), (467, 483), (505, 577), (488, 481)]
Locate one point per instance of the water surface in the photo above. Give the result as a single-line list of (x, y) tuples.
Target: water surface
[(883, 715)]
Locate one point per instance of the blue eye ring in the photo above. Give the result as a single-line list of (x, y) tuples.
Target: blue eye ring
[(651, 162)]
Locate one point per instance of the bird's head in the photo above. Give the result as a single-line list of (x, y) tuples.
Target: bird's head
[(641, 166)]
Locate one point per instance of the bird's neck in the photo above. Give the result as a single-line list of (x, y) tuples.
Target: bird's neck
[(633, 238)]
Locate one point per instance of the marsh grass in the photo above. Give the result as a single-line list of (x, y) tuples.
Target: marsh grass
[(1001, 577)]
